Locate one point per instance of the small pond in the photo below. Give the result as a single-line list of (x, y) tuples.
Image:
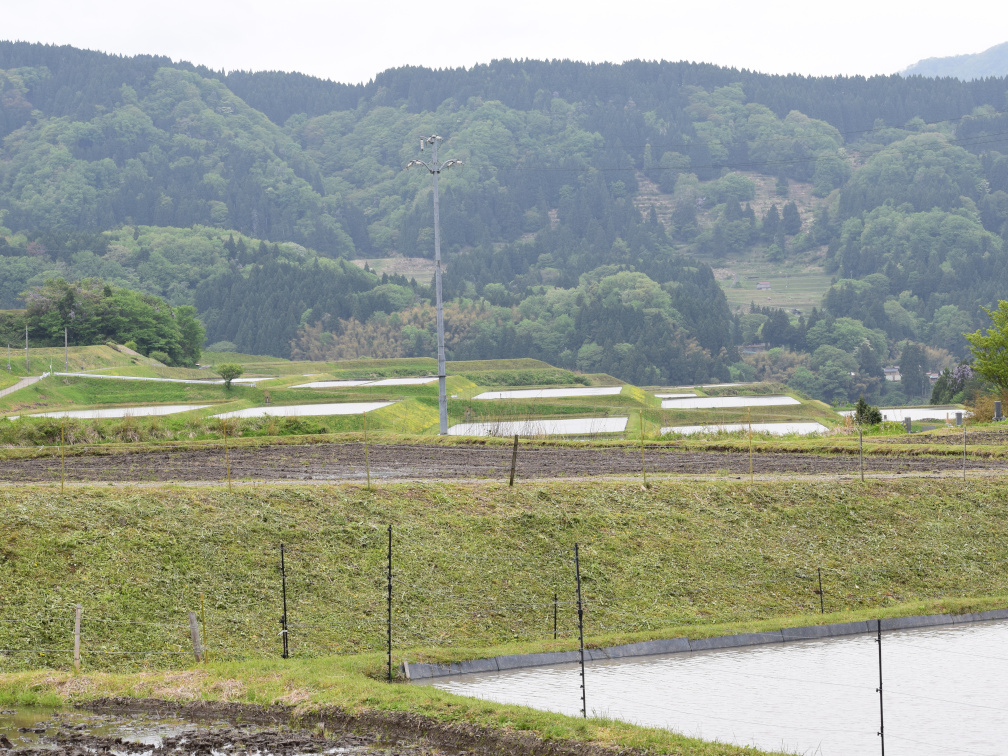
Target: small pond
[(944, 688)]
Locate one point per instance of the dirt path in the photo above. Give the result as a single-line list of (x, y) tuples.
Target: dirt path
[(23, 383), (345, 462)]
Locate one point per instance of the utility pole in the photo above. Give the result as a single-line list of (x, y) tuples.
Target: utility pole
[(435, 168)]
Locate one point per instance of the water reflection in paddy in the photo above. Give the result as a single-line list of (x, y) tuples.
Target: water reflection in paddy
[(944, 692)]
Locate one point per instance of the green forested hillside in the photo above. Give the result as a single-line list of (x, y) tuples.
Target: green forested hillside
[(603, 214)]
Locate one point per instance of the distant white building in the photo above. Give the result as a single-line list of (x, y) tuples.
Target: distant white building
[(763, 286), (892, 373)]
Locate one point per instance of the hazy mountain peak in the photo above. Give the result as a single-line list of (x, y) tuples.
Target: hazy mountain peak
[(990, 62)]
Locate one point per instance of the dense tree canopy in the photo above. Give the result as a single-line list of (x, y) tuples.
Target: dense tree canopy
[(93, 312), (595, 204)]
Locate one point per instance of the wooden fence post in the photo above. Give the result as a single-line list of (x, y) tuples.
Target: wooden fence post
[(195, 635)]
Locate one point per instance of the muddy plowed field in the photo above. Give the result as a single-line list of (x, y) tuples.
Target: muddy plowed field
[(345, 462)]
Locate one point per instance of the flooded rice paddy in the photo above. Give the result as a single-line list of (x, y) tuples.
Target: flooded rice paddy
[(205, 381), (554, 393), (899, 414), (944, 692), (114, 412), (383, 382), (775, 429), (725, 402), (306, 410), (580, 426)]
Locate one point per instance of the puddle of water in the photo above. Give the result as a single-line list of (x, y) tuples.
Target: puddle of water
[(722, 402), (582, 426), (944, 692), (776, 429), (37, 727), (307, 410), (80, 731), (556, 393), (899, 414), (95, 414)]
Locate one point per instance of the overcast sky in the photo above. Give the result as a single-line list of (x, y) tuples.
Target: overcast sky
[(351, 42)]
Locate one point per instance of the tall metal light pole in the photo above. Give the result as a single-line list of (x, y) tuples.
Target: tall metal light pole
[(435, 168)]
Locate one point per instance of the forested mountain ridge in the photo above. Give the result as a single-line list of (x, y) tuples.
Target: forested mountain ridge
[(243, 194)]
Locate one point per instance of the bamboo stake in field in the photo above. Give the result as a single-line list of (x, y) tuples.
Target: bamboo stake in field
[(514, 461), (227, 458), (77, 619), (367, 464), (62, 456), (964, 451), (749, 414), (390, 603), (642, 467), (860, 436), (202, 613)]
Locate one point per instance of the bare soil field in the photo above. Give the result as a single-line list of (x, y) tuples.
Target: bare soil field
[(345, 462)]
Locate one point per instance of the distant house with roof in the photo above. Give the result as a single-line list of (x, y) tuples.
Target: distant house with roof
[(763, 286), (892, 373)]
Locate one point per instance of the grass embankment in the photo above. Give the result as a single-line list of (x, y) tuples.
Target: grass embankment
[(475, 568), (74, 359)]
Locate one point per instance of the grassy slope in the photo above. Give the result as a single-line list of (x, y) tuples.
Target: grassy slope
[(477, 564), (475, 568)]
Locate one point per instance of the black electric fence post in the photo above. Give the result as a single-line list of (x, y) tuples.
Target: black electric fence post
[(822, 606), (881, 730), (554, 616), (577, 573), (390, 603), (283, 583), (514, 460)]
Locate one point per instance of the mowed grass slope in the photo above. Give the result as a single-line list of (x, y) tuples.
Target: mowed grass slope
[(475, 566), (474, 572)]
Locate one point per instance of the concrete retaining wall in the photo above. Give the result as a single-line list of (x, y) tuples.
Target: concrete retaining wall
[(683, 645)]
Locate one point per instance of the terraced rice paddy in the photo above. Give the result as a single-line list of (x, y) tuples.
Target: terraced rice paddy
[(581, 426), (899, 414), (557, 393), (115, 412), (725, 402), (202, 381), (775, 429), (382, 382), (306, 410)]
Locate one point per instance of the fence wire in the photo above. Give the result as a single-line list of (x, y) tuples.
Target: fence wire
[(342, 608)]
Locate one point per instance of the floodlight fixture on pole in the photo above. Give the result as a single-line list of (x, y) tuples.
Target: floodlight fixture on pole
[(435, 168)]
